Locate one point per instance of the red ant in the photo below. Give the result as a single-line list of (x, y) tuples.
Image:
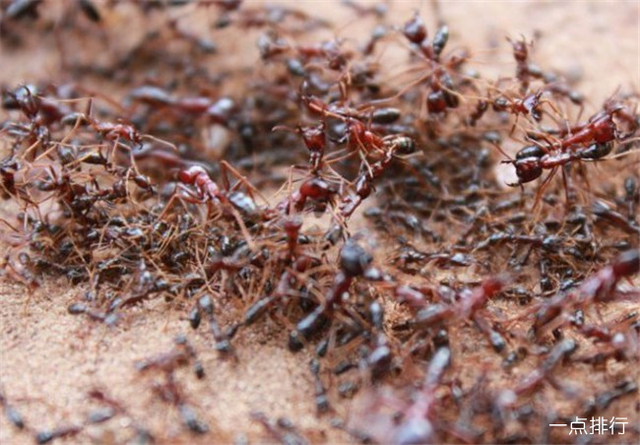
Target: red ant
[(208, 191), (282, 430), (529, 105), (364, 183), (524, 70), (314, 188), (282, 290), (38, 109), (467, 308), (110, 130), (357, 134), (314, 138), (560, 352), (11, 413), (416, 424), (602, 127), (217, 111), (598, 287), (591, 141), (354, 262), (416, 32), (205, 305), (182, 354)]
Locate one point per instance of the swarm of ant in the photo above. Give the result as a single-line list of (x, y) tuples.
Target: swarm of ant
[(247, 202)]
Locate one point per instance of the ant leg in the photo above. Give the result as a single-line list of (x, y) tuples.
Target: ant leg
[(544, 185), (558, 112), (515, 124), (241, 179), (192, 198), (569, 190)]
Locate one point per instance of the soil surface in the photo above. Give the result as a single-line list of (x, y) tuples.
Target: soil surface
[(49, 359)]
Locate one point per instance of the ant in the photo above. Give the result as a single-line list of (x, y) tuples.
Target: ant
[(216, 111), (207, 191), (466, 308), (416, 424), (314, 138), (12, 415), (600, 286), (114, 407), (183, 353), (416, 32), (111, 131), (169, 391), (205, 305), (282, 430), (321, 400), (602, 211), (560, 352), (380, 358), (19, 9), (314, 188), (524, 70), (364, 183), (527, 106), (354, 261)]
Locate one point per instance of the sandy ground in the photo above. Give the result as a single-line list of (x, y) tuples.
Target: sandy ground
[(49, 359)]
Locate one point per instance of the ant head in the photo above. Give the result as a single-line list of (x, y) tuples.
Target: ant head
[(520, 50), (415, 30), (528, 169)]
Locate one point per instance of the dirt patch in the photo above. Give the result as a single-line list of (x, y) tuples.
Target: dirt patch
[(50, 359)]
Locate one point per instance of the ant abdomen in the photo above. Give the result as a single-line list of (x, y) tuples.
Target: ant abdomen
[(597, 151), (531, 151)]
